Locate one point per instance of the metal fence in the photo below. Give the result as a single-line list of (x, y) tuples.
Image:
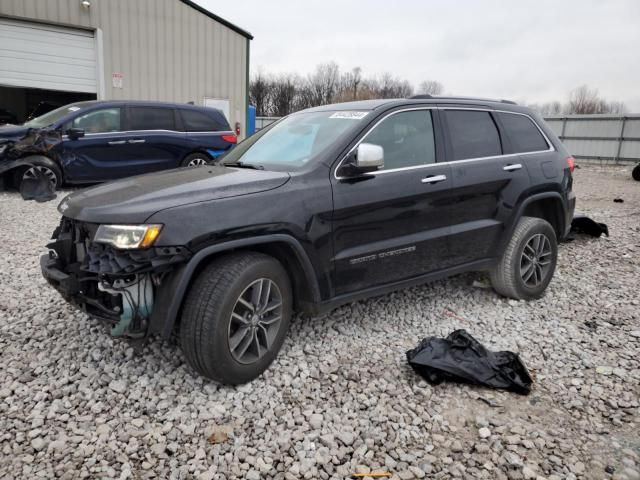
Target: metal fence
[(599, 138), (592, 138), (262, 122)]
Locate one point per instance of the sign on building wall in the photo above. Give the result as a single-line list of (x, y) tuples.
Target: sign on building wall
[(116, 79)]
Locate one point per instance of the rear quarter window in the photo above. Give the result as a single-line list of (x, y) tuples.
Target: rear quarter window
[(523, 134), (197, 121), (473, 134)]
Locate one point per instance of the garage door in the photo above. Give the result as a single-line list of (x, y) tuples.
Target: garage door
[(53, 58)]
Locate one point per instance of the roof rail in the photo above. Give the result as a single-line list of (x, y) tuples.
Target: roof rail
[(427, 96)]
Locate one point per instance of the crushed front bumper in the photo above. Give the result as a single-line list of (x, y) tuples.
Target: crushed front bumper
[(117, 286), (68, 285)]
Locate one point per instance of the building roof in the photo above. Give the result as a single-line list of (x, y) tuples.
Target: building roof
[(218, 19)]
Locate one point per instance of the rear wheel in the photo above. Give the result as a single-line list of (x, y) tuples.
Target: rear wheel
[(635, 173), (236, 317), (195, 160), (43, 166), (529, 261)]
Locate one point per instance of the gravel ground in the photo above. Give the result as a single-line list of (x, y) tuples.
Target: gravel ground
[(340, 399)]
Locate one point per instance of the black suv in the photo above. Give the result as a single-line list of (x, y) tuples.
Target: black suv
[(325, 206)]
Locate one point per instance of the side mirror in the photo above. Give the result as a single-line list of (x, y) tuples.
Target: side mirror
[(75, 133), (364, 159), (369, 157)]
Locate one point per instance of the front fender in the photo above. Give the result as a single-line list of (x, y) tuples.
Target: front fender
[(171, 292)]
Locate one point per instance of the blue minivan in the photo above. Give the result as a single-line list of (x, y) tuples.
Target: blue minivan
[(96, 141)]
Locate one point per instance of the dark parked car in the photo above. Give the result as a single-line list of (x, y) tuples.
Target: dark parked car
[(94, 141), (325, 206), (7, 117)]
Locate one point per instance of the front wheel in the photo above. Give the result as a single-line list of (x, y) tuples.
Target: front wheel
[(236, 317), (529, 261), (39, 167), (635, 173)]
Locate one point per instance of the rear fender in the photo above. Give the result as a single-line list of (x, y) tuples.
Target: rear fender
[(558, 212)]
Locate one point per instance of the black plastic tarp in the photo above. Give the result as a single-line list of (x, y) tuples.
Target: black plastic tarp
[(583, 224), (461, 358)]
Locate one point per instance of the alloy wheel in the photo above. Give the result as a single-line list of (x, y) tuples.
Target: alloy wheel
[(535, 262), (196, 162), (49, 174), (255, 321)]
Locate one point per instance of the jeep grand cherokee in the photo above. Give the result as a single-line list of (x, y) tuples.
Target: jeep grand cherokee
[(325, 206)]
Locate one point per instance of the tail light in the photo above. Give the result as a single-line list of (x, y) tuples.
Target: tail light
[(572, 164), (237, 128), (230, 138)]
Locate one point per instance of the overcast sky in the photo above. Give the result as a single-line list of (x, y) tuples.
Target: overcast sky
[(528, 51)]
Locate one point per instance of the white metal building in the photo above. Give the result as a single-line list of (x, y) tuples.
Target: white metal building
[(61, 51)]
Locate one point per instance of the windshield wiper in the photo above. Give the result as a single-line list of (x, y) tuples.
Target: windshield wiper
[(243, 165)]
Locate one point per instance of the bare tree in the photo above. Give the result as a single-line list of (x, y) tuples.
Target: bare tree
[(348, 85), (430, 87), (548, 108), (323, 83), (284, 90), (259, 92), (618, 108), (584, 100)]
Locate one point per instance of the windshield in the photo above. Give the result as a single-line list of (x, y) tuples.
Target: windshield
[(53, 116), (292, 142)]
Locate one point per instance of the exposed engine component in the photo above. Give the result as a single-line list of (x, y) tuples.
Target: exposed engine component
[(137, 302)]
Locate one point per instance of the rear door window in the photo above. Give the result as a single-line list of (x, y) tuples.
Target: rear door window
[(407, 139), (99, 121), (151, 118), (523, 133), (473, 134), (196, 121)]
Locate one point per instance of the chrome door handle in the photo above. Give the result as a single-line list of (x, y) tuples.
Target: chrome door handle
[(512, 167), (434, 179), (117, 142), (137, 141)]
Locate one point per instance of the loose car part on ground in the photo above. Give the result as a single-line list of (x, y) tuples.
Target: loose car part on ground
[(461, 358)]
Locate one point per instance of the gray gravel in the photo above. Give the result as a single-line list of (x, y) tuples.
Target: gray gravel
[(75, 403)]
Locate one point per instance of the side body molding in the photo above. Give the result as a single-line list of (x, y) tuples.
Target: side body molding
[(172, 291)]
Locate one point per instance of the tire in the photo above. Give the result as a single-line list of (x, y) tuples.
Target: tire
[(45, 165), (513, 276), (208, 331), (195, 160), (635, 173)]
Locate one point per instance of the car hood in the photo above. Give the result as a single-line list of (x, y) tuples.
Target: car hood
[(12, 132), (134, 199)]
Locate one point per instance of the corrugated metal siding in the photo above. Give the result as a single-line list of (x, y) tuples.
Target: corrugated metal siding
[(165, 49), (600, 137), (43, 56)]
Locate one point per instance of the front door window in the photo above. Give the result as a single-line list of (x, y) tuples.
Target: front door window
[(99, 121)]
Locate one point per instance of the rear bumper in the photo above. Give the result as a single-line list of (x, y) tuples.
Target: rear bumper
[(569, 212)]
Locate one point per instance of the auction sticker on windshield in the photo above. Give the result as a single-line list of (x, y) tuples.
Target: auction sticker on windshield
[(349, 115)]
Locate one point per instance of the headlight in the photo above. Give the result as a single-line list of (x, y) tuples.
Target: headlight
[(128, 236)]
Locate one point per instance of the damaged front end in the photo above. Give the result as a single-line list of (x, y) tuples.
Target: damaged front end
[(116, 285), (34, 141)]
